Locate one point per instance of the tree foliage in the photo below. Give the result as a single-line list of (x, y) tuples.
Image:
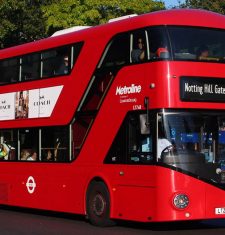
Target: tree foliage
[(215, 5), (28, 20), (64, 14), (21, 21)]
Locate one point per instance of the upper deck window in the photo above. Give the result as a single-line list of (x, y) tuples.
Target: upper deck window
[(139, 46), (9, 70), (30, 67), (201, 44), (117, 53), (44, 64), (56, 62), (159, 48)]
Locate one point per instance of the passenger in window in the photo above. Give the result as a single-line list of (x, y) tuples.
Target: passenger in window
[(49, 156), (203, 52), (6, 148), (64, 67), (33, 156), (24, 155), (163, 143), (3, 152), (138, 54), (162, 52)]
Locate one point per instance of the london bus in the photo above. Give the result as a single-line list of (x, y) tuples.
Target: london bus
[(132, 128)]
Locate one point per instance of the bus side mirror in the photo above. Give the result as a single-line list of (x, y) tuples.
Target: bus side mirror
[(144, 124)]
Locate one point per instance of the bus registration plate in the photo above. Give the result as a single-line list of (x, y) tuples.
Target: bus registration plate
[(220, 211)]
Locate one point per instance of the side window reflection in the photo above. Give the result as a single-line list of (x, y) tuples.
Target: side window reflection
[(133, 143)]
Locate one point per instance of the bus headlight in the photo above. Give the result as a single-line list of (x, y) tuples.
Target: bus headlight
[(180, 201)]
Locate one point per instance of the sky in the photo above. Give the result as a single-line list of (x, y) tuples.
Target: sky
[(170, 3)]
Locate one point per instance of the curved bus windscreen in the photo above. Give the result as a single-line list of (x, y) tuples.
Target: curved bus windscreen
[(197, 143), (195, 43)]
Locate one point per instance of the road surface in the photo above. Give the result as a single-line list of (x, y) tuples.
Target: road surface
[(16, 221)]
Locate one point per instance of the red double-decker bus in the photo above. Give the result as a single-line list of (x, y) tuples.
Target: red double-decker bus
[(125, 120)]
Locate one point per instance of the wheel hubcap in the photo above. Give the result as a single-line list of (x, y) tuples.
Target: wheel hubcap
[(99, 205)]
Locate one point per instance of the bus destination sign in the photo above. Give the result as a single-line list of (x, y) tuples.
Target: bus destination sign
[(202, 89)]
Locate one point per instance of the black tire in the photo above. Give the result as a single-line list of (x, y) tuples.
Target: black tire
[(98, 204)]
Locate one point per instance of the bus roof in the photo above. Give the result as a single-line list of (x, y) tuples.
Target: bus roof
[(69, 30)]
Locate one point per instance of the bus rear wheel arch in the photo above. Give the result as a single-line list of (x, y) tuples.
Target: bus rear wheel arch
[(98, 204)]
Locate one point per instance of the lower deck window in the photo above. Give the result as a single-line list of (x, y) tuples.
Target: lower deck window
[(36, 144)]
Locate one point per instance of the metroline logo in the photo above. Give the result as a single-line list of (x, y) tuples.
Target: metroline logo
[(128, 89)]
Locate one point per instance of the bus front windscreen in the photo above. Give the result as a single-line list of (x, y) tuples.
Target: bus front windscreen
[(199, 44), (193, 142)]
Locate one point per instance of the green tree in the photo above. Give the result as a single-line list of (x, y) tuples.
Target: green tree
[(28, 20), (21, 21), (215, 5), (68, 13)]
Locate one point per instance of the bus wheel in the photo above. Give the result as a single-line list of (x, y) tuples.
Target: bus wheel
[(98, 204)]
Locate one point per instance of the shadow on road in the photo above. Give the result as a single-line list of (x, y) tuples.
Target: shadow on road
[(170, 226), (162, 226)]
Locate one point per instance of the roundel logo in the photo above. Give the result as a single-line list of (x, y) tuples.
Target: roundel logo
[(31, 185)]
